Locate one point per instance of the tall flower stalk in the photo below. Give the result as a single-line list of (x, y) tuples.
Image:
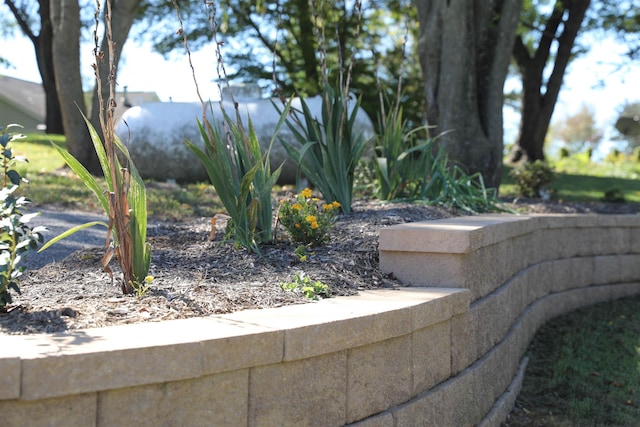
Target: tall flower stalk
[(124, 200)]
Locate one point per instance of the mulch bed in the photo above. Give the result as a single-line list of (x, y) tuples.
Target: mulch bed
[(196, 277)]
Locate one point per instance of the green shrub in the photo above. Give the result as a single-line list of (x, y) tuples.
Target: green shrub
[(614, 156), (533, 178), (306, 219), (614, 195), (16, 236), (564, 153)]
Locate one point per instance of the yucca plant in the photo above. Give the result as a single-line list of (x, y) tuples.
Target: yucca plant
[(124, 200), (401, 158), (329, 149), (238, 169), (241, 175)]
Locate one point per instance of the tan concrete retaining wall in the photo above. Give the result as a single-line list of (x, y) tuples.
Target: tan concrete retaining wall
[(447, 355)]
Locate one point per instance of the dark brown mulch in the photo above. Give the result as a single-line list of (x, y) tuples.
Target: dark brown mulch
[(195, 277)]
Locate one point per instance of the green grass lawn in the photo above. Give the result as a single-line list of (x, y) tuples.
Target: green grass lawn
[(584, 368), (50, 183), (585, 185)]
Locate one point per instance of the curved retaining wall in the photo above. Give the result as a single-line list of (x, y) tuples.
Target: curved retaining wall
[(445, 352)]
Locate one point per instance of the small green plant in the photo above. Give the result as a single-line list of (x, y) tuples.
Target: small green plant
[(16, 236), (124, 200), (300, 252), (306, 219), (533, 179), (311, 289)]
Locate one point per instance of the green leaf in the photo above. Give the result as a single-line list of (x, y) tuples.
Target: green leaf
[(71, 231), (84, 175)]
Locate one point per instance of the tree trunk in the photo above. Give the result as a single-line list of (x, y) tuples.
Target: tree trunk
[(43, 45), (123, 14), (65, 20), (539, 97), (465, 48)]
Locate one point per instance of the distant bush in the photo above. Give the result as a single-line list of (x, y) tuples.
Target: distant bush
[(614, 195), (533, 179)]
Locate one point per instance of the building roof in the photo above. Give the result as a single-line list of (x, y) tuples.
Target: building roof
[(29, 97), (25, 96)]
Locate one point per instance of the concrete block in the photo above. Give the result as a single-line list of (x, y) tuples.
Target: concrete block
[(11, 368), (78, 373), (344, 323), (464, 396), (431, 356), (147, 353), (220, 399), (581, 271), (634, 239), (374, 384), (429, 409), (464, 341), (425, 269), (563, 274), (383, 420), (70, 411), (301, 393), (606, 270), (539, 280), (629, 268), (610, 240), (536, 246)]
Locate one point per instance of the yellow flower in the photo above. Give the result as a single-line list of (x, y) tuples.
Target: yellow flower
[(296, 206), (306, 193), (314, 225), (311, 219), (303, 258), (336, 204), (297, 225), (315, 199), (327, 207)]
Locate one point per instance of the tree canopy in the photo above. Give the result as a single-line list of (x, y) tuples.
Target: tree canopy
[(548, 39), (274, 44)]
